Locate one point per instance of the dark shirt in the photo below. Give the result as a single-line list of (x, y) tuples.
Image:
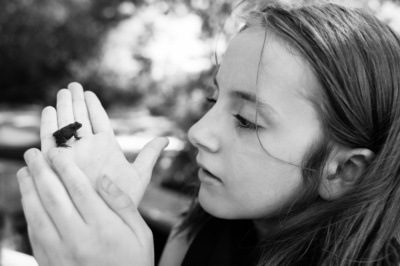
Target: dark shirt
[(234, 243), (223, 243)]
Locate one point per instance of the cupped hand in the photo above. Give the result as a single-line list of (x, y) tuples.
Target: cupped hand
[(97, 153), (69, 223)]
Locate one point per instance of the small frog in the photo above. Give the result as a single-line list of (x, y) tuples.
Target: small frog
[(65, 133)]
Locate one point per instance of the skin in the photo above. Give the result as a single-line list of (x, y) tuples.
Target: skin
[(254, 183)]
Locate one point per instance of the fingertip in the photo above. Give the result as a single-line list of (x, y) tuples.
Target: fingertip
[(164, 141), (75, 85), (53, 153), (30, 154), (48, 110), (90, 94), (63, 95), (76, 90), (62, 92), (23, 172)]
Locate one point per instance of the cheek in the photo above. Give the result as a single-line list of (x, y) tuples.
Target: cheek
[(289, 144), (265, 191), (253, 190)]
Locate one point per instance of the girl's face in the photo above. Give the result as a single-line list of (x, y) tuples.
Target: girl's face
[(240, 179)]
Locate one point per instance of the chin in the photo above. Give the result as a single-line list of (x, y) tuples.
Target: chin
[(221, 207), (215, 206)]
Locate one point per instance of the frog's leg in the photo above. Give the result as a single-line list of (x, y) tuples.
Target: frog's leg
[(76, 136), (61, 143)]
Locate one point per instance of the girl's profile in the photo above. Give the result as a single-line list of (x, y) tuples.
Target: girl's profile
[(298, 155)]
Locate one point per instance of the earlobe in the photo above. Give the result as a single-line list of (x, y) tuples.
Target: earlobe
[(342, 170)]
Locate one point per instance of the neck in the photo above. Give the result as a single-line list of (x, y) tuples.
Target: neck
[(264, 226)]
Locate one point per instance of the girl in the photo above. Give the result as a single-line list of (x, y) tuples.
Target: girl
[(298, 156)]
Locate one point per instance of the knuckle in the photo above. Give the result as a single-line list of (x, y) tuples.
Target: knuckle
[(123, 202), (77, 191), (79, 252), (148, 234), (49, 202)]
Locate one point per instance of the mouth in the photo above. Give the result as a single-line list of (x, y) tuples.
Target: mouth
[(206, 175)]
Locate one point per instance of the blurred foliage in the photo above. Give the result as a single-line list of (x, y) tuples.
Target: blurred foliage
[(44, 44), (153, 54), (41, 39)]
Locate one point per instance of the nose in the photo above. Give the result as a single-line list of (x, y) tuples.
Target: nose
[(204, 134)]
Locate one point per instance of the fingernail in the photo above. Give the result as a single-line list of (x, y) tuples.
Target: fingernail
[(108, 184)]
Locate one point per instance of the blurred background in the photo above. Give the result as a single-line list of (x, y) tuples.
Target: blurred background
[(149, 61)]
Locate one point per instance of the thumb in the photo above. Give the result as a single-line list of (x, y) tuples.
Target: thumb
[(148, 156), (122, 205), (135, 183)]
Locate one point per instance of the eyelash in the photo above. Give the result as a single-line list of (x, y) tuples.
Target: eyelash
[(211, 100), (240, 122), (243, 123)]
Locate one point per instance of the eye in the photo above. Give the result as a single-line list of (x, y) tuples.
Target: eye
[(211, 100), (243, 123)]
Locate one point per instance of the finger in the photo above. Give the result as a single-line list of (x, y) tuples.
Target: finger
[(52, 194), (79, 107), (97, 114), (24, 171), (48, 126), (79, 187), (35, 214), (148, 157), (65, 114), (39, 252), (123, 206)]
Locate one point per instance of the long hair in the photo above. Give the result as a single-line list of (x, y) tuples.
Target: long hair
[(356, 59)]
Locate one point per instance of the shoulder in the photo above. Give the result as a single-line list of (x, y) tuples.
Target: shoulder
[(176, 247)]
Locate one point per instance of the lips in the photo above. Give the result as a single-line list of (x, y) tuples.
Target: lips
[(207, 172)]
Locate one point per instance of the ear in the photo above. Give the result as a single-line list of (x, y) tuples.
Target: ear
[(342, 170)]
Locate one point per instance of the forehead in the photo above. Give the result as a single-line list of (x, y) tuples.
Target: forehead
[(283, 72)]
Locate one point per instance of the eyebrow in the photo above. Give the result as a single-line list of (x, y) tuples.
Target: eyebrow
[(247, 96), (251, 97)]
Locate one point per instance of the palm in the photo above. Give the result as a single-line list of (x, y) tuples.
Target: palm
[(100, 154), (96, 155)]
